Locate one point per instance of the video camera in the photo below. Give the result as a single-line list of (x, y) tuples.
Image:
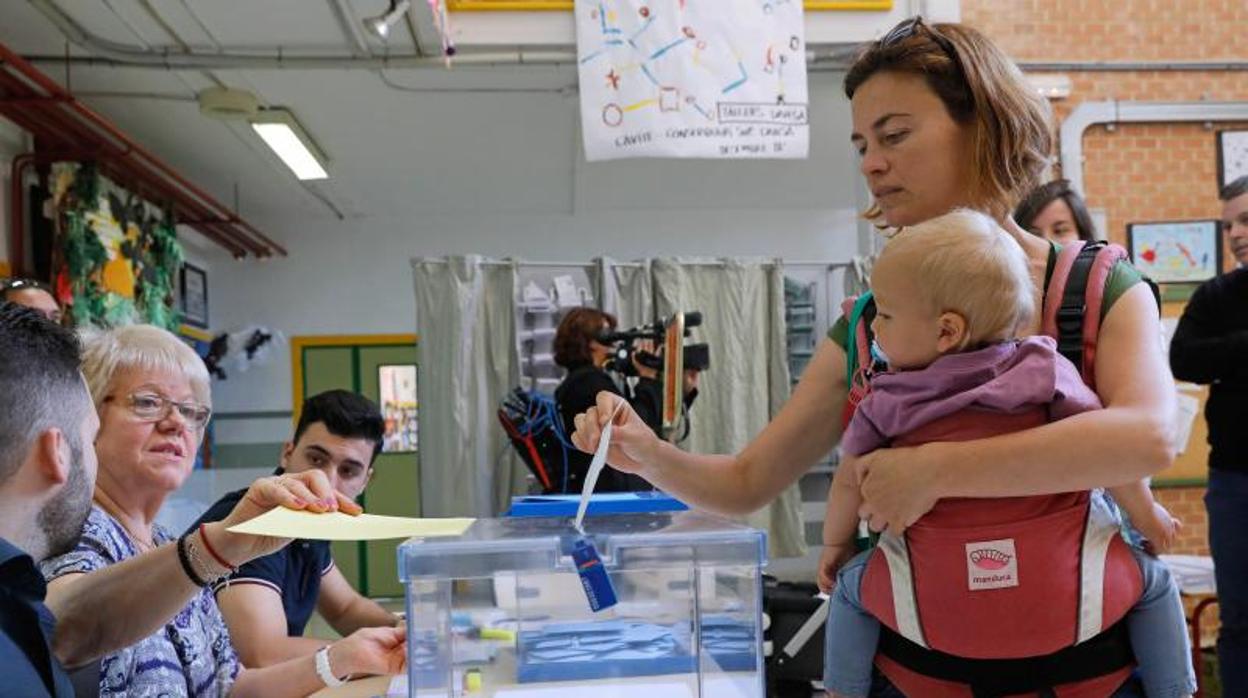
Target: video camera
[(694, 356), (668, 333)]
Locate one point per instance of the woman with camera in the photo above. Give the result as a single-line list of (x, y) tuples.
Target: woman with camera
[(578, 349)]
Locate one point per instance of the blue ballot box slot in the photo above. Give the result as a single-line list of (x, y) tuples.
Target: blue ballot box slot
[(599, 504)]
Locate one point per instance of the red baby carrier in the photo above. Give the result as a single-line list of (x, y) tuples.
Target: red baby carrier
[(1044, 581)]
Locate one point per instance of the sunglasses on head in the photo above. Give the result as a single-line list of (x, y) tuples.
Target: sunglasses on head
[(910, 27), (18, 284)]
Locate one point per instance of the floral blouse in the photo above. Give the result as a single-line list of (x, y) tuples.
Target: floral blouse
[(190, 656)]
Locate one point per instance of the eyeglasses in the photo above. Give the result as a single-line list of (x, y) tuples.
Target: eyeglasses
[(151, 407), (910, 27)]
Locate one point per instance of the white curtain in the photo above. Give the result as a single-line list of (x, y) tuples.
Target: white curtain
[(469, 360), (742, 305), (624, 290)]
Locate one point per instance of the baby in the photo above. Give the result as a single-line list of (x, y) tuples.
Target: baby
[(951, 296)]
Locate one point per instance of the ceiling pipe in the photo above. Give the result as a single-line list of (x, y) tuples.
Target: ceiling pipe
[(41, 106), (1088, 114), (111, 53), (116, 53), (140, 161), (22, 163)]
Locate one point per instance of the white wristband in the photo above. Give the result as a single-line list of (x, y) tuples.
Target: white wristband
[(323, 670)]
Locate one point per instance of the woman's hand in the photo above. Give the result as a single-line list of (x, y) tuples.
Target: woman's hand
[(374, 651), (309, 491), (633, 443), (899, 485), (830, 560)]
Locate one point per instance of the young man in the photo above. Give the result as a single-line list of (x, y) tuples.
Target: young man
[(47, 475), (268, 602), (1210, 346)]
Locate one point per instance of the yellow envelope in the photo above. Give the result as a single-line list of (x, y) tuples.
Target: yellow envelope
[(289, 523)]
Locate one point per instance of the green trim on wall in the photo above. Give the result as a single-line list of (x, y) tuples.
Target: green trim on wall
[(1181, 482), (1177, 293), (361, 546)]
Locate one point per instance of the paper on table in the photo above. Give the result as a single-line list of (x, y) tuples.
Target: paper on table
[(595, 467), (289, 523)]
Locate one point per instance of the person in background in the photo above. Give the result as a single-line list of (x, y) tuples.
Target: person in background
[(268, 601), (152, 397), (1055, 212), (1210, 346), (579, 351), (31, 294)]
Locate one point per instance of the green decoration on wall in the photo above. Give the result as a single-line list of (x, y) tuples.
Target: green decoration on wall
[(145, 246), (160, 258)]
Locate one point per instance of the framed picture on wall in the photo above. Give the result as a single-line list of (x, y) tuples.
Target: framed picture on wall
[(1232, 156), (1176, 252), (193, 296), (397, 386)]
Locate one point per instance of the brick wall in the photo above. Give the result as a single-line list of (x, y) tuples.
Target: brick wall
[(1187, 503), (1095, 30), (1134, 172), (1137, 172)]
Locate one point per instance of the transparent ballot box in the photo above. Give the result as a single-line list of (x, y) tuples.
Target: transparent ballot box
[(501, 610)]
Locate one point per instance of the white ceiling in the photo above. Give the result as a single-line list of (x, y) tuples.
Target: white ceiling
[(402, 142)]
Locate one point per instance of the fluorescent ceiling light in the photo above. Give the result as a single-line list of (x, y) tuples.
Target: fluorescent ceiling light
[(380, 25), (279, 130)]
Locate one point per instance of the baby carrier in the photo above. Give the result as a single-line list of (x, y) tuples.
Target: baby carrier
[(1044, 581)]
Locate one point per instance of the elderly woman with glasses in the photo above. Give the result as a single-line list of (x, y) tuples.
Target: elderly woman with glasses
[(152, 395)]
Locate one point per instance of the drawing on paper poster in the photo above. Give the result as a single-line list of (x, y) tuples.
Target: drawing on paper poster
[(1232, 156), (1179, 252), (397, 385), (671, 78)]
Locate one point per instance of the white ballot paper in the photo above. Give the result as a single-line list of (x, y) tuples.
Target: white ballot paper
[(596, 466), (289, 523)]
